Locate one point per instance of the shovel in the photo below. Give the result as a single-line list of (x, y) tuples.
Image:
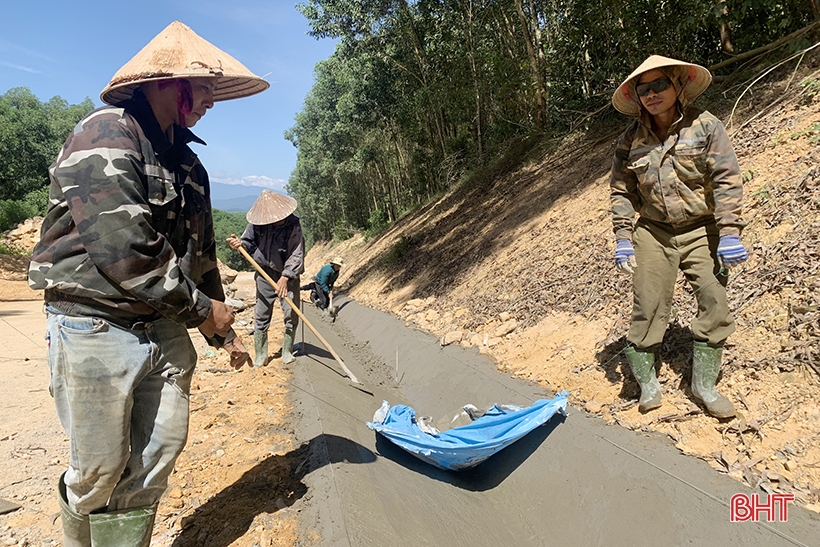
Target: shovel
[(355, 381), (331, 309)]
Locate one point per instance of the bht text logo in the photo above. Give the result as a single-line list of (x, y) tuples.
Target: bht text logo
[(752, 507)]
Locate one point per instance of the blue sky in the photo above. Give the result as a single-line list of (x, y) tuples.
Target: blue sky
[(72, 48)]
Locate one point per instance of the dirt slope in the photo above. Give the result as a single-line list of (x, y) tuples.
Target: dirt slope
[(521, 266)]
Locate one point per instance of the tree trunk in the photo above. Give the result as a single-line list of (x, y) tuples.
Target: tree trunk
[(540, 92)]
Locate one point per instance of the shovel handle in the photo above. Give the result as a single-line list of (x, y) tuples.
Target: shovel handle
[(321, 338)]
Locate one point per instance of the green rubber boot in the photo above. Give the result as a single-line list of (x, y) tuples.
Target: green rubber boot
[(76, 531), (126, 528), (287, 347), (260, 348), (705, 369), (642, 364)]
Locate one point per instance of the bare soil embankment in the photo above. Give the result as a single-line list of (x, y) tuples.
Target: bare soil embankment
[(521, 267)]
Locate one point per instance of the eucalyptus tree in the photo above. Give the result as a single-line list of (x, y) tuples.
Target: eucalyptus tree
[(420, 92)]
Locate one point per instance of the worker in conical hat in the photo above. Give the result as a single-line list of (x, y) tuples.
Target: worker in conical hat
[(274, 239), (127, 262), (323, 283), (675, 168)]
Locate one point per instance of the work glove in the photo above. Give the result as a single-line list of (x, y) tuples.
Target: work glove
[(731, 251), (625, 256)]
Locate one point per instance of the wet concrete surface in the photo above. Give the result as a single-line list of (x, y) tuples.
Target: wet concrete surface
[(574, 481)]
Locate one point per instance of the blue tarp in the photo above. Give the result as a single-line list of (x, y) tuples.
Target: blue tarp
[(468, 445)]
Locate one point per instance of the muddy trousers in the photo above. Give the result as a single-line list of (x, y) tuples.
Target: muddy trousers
[(660, 252), (319, 295), (122, 398), (266, 297)]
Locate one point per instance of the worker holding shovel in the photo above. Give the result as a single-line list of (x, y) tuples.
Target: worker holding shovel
[(274, 239), (675, 167)]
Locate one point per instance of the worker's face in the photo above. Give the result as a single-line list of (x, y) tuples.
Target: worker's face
[(656, 102), (335, 267), (202, 91)]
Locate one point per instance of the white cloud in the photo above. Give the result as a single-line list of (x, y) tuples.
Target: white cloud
[(252, 180), (19, 67)]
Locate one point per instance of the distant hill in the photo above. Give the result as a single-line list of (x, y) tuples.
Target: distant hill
[(233, 198)]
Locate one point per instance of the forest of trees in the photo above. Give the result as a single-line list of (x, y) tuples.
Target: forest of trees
[(31, 134), (421, 93)]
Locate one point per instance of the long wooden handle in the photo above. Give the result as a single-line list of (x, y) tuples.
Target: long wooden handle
[(301, 315)]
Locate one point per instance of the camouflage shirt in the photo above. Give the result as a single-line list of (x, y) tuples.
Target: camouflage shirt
[(129, 234), (692, 178)]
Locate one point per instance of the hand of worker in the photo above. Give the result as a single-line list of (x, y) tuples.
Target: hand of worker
[(625, 256), (219, 321), (731, 251), (239, 355), (234, 242), (282, 287)]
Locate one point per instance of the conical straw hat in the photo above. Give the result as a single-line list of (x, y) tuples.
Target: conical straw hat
[(178, 52), (695, 82), (270, 207)]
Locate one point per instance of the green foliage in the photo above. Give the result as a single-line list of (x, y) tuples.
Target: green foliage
[(31, 134), (226, 224), (377, 223), (13, 212), (424, 94), (5, 249)]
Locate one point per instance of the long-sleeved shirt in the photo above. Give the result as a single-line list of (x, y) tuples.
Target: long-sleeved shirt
[(129, 233), (280, 248), (326, 277), (692, 177)]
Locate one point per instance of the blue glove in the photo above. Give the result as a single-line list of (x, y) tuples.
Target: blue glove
[(731, 251), (625, 256)]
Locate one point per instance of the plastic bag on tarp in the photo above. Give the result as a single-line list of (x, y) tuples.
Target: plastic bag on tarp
[(468, 445)]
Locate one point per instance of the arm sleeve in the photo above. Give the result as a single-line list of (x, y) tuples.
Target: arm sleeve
[(728, 183), (623, 185), (248, 239), (101, 174), (295, 264)]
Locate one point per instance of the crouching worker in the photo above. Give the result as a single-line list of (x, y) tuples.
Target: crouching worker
[(274, 239), (675, 167), (128, 263), (321, 288)]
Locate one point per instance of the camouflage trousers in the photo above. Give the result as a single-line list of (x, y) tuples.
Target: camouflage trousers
[(265, 298), (122, 398), (660, 252)]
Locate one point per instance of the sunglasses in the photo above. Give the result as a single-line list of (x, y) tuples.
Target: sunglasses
[(657, 86)]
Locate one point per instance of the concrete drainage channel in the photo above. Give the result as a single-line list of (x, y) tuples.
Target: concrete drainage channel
[(575, 481)]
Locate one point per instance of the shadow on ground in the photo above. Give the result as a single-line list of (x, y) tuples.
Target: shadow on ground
[(273, 484)]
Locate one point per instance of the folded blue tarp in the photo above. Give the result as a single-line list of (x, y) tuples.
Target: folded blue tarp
[(468, 445)]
